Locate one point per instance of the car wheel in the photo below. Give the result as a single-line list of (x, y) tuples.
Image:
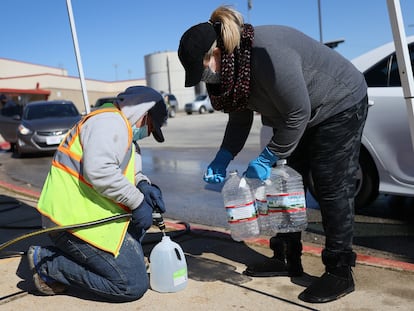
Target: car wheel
[(12, 147), (171, 112), (17, 151), (367, 182), (202, 110), (189, 112)]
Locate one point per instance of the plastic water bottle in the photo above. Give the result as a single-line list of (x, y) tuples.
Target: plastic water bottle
[(258, 188), (286, 199), (274, 193), (168, 267), (240, 207)]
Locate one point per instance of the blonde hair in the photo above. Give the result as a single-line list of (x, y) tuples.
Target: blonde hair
[(231, 26), (210, 51)]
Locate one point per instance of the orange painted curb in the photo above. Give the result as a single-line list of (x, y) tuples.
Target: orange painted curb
[(363, 259)]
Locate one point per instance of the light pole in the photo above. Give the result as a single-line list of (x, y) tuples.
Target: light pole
[(78, 56), (320, 21)]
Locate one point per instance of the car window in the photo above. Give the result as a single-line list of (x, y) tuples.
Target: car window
[(201, 97), (12, 111), (377, 76), (385, 73), (49, 110), (105, 100)]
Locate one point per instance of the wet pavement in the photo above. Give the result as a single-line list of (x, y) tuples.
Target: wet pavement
[(384, 274)]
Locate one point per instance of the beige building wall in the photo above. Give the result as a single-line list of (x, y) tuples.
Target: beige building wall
[(9, 67), (21, 75)]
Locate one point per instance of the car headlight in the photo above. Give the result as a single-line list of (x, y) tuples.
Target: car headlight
[(24, 130)]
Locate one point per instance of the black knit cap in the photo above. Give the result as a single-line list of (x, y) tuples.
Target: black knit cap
[(194, 44)]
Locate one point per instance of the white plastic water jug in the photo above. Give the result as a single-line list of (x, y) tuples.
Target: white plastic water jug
[(168, 267)]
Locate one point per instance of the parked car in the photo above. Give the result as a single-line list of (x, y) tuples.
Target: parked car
[(386, 157), (102, 101), (172, 104), (41, 127), (201, 105)]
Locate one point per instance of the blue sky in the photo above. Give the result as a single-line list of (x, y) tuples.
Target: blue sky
[(115, 35)]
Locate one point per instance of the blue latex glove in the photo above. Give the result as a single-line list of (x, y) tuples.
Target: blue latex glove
[(261, 166), (142, 216), (216, 171), (152, 195)]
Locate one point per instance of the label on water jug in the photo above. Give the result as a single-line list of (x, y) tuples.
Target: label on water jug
[(239, 213), (180, 276), (261, 206), (286, 202)]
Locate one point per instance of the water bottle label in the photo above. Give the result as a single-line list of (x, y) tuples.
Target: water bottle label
[(261, 206), (239, 213), (286, 202), (275, 202), (180, 276), (295, 201)]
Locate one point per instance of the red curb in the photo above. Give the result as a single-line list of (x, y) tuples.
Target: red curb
[(5, 145), (363, 259), (19, 190), (313, 250)]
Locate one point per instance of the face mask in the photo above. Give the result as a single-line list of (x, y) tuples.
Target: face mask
[(139, 132), (209, 76)]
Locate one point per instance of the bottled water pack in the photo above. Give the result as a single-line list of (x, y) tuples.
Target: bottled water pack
[(286, 200), (240, 207)]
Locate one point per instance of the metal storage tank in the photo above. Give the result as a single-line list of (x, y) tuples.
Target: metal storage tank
[(164, 72)]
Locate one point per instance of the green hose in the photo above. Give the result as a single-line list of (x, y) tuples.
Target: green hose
[(62, 228)]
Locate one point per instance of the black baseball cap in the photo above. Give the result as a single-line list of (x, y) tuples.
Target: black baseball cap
[(135, 95), (158, 114), (194, 44)]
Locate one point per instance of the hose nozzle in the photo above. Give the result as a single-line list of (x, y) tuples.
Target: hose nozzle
[(158, 220)]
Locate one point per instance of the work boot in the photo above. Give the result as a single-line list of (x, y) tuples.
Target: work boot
[(285, 261), (336, 282), (44, 285)]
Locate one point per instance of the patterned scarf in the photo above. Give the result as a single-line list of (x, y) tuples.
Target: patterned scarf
[(233, 92)]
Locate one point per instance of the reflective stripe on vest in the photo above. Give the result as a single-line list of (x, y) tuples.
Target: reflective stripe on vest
[(68, 198)]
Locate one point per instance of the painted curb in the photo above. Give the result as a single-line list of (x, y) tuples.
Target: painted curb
[(5, 145), (260, 241)]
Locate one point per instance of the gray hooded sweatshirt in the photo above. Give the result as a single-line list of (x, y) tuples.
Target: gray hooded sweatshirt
[(296, 83), (104, 138)]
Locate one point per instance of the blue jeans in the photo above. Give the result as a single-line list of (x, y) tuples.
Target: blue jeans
[(74, 262)]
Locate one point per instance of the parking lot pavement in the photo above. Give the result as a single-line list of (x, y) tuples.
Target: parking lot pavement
[(215, 264)]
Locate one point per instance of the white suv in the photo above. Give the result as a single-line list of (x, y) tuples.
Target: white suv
[(201, 105)]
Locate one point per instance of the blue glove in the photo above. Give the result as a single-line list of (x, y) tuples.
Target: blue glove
[(216, 171), (152, 195), (261, 166), (142, 216)]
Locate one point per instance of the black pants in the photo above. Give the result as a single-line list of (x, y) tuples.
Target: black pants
[(330, 151)]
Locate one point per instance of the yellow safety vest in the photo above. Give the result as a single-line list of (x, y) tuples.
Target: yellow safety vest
[(67, 198)]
